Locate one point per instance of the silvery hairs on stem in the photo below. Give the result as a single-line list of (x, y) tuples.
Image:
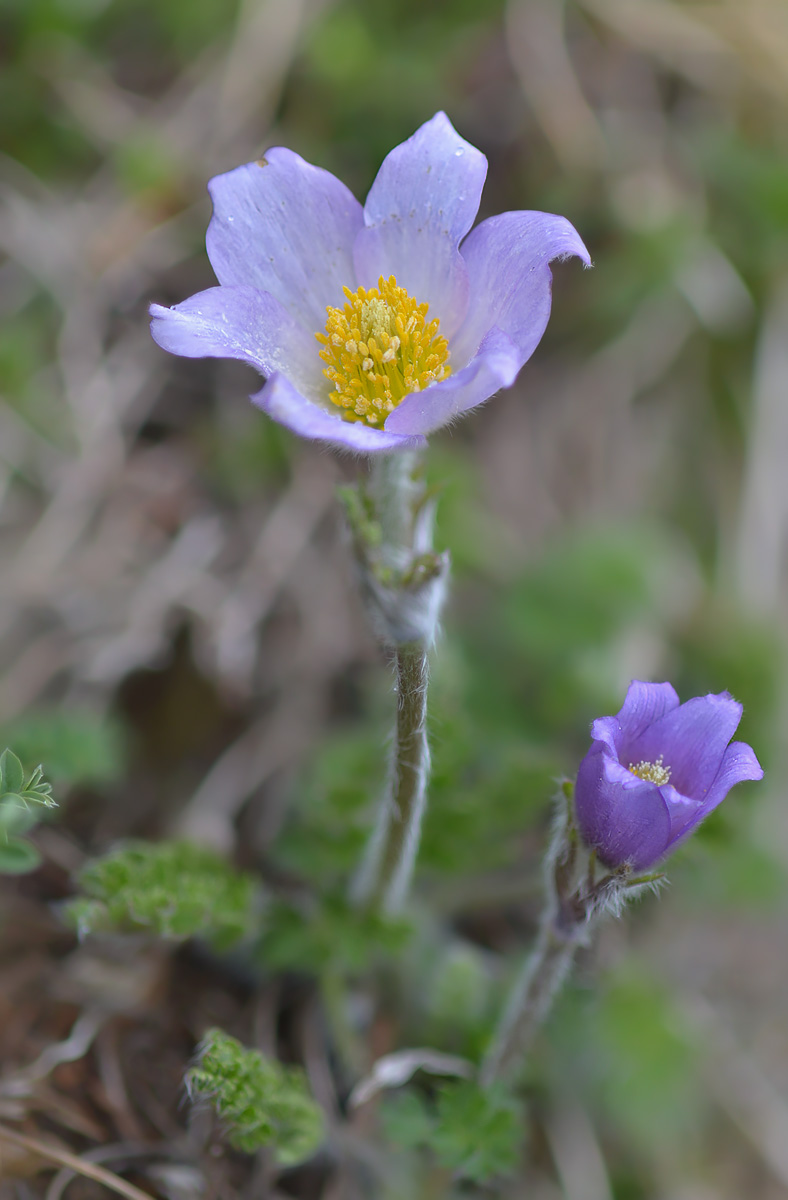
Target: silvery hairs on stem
[(403, 586), (403, 581)]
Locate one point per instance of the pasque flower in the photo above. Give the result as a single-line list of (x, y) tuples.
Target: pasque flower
[(656, 770), (373, 325)]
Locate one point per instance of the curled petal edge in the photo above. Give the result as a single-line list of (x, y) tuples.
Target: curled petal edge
[(495, 366)]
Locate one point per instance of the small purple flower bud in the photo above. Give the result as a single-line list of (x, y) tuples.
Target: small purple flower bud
[(656, 770)]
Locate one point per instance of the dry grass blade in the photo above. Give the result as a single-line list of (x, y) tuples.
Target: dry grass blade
[(74, 1163), (763, 515), (75, 1046), (537, 46), (741, 1087)]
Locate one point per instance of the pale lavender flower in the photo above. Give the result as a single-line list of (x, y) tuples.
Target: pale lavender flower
[(424, 322), (656, 770)]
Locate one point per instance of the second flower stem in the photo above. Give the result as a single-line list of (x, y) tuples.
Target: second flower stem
[(574, 903), (529, 1003)]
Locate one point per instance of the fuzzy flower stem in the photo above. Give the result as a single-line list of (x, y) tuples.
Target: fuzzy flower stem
[(403, 583), (574, 901), (529, 1002), (392, 851), (394, 491)]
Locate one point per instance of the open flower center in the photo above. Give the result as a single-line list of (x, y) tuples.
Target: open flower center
[(378, 349), (655, 772)]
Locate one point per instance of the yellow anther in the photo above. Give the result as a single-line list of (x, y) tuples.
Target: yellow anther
[(655, 772), (378, 348)]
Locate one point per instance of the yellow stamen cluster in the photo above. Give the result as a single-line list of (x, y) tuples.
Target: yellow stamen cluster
[(655, 772), (379, 348)]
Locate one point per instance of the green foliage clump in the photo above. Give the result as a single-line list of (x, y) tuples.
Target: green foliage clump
[(486, 793), (648, 1085), (20, 794), (77, 746), (174, 889), (724, 869), (483, 794), (260, 1102), (552, 650), (633, 1057), (724, 650), (326, 837), (457, 995), (331, 935), (474, 1131)]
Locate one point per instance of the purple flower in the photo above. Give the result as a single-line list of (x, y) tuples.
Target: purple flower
[(423, 323), (656, 770)]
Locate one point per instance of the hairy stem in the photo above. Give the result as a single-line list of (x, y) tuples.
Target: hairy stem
[(394, 493), (529, 1003), (573, 903), (385, 876), (403, 584)]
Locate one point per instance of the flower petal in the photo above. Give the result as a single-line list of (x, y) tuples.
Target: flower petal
[(285, 404), (423, 201), (685, 813), (434, 177), (494, 367), (285, 227), (738, 764), (645, 703), (510, 281), (240, 322), (692, 739), (626, 822)]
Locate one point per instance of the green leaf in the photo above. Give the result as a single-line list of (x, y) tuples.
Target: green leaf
[(12, 775), (38, 791), (17, 857), (260, 1101), (474, 1131), (18, 815), (478, 1132)]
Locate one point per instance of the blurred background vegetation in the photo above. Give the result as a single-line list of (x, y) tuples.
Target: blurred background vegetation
[(180, 640)]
